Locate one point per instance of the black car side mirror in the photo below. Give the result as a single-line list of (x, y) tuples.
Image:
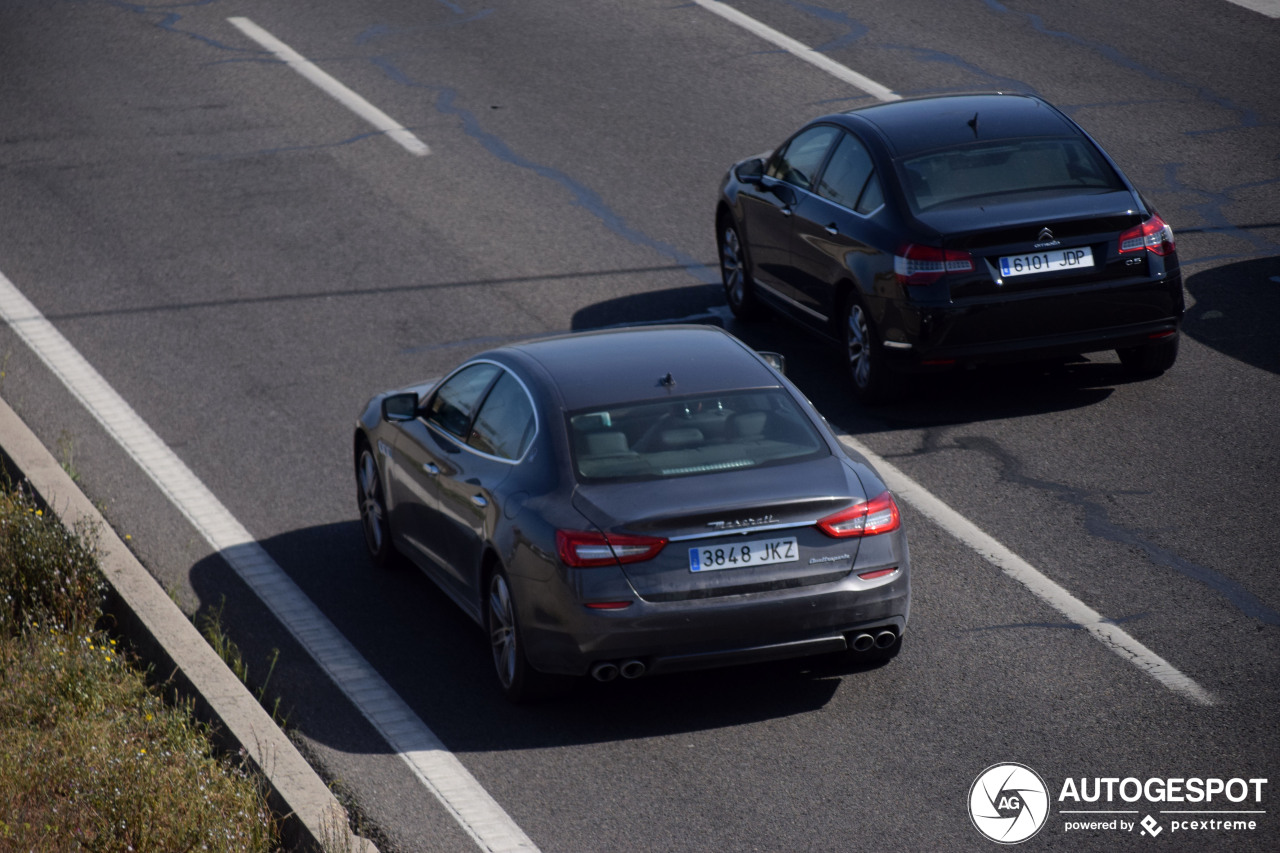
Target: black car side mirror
[(400, 407), (751, 171)]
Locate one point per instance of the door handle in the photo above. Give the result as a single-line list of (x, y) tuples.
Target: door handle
[(431, 468), (479, 501), (786, 211), (832, 229)]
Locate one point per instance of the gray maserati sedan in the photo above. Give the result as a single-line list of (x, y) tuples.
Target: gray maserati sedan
[(633, 501)]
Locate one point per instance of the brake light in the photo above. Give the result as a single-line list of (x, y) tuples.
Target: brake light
[(588, 549), (918, 265), (878, 515), (1154, 235)]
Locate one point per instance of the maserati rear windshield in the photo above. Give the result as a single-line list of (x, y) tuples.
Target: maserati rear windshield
[(728, 431), (997, 171)]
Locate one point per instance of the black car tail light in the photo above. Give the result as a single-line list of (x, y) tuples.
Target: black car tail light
[(1153, 235), (584, 549), (916, 264), (878, 515)]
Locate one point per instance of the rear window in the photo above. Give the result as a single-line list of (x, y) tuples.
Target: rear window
[(985, 171), (655, 440)]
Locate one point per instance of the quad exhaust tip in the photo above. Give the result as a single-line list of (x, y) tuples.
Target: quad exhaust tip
[(604, 671), (632, 669), (865, 641), (608, 670)]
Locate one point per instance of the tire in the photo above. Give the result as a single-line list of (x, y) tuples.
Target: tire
[(1150, 359), (373, 508), (872, 380), (735, 272), (520, 682)]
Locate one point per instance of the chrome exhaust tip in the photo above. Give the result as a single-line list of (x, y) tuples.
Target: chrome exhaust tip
[(885, 639), (604, 671), (632, 669), (862, 642)]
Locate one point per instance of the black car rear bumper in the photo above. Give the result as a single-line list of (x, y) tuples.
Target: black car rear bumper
[(1040, 326)]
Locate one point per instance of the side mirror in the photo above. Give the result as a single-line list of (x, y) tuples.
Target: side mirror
[(751, 171), (400, 407), (776, 360)]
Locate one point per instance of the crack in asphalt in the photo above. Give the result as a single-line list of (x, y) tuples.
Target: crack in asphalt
[(1097, 521)]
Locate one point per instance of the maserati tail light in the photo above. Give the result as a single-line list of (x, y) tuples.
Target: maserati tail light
[(878, 515), (586, 549)]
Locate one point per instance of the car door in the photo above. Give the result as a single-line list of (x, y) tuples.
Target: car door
[(471, 500), (834, 225), (427, 449), (768, 210)]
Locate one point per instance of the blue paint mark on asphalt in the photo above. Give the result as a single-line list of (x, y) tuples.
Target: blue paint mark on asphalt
[(378, 31), (1098, 523), (925, 54), (169, 22), (584, 197), (856, 30), (1248, 118), (1211, 209)]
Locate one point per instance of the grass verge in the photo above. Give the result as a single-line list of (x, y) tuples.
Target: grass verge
[(90, 756)]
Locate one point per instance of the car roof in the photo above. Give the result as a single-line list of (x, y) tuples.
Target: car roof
[(927, 124), (629, 364)]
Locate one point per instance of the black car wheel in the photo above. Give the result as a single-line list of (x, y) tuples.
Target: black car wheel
[(520, 681), (1150, 359), (735, 271), (373, 508), (873, 380)]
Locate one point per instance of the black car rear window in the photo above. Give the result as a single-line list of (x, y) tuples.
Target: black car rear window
[(984, 171), (654, 440)]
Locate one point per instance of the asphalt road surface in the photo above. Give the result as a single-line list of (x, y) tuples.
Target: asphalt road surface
[(245, 260)]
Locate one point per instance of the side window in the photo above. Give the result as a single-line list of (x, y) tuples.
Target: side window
[(451, 406), (505, 425), (798, 163), (847, 173), (872, 195)]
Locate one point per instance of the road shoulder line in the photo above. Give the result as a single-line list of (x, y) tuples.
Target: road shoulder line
[(440, 771)]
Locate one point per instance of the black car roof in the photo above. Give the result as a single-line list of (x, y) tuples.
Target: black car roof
[(926, 124), (628, 364)]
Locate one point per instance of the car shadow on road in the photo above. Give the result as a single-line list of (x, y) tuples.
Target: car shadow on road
[(1237, 310), (438, 661), (992, 392)]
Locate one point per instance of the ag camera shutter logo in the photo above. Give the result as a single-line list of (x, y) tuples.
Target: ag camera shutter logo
[(1008, 803)]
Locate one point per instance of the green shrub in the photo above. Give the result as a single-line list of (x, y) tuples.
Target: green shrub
[(90, 757)]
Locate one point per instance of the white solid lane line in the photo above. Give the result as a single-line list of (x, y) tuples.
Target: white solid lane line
[(434, 765), (1106, 631), (800, 50), (338, 91), (1270, 8)]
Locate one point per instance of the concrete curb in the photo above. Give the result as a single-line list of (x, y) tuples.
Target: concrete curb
[(314, 819)]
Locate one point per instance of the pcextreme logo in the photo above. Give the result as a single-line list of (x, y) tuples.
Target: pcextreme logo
[(1009, 803)]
